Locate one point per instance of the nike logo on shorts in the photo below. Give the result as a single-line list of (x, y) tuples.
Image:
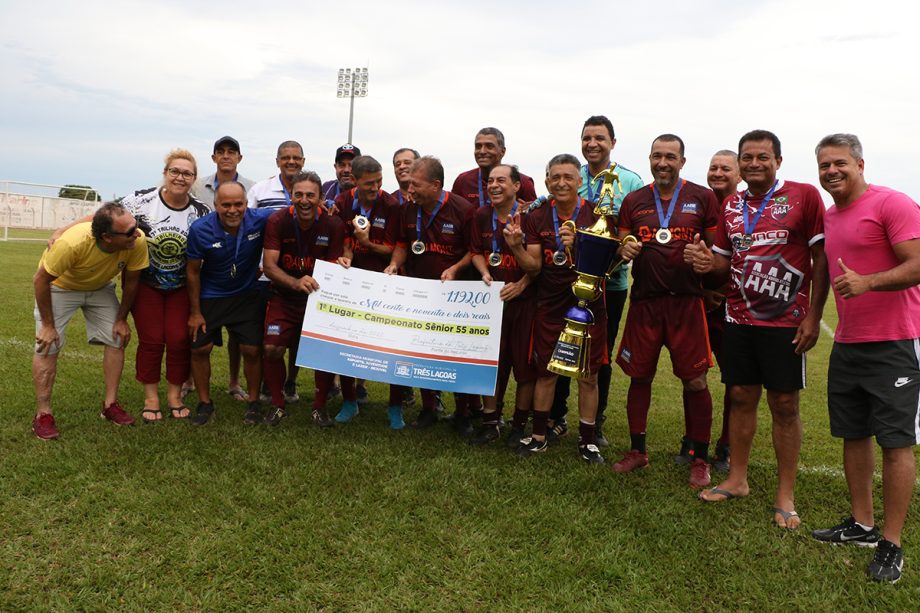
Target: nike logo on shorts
[(902, 381)]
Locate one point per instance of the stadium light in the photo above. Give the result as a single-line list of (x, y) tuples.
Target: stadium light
[(352, 83)]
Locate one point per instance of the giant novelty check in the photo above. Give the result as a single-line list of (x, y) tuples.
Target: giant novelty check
[(412, 332)]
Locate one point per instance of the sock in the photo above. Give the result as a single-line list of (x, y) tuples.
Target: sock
[(539, 423), (686, 414), (637, 442), (491, 419), (864, 527), (323, 382), (348, 388), (273, 373), (699, 408), (428, 399), (519, 420), (586, 434), (638, 400), (700, 450)]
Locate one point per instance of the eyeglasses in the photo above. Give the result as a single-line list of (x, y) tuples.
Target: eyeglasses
[(185, 174), (291, 158), (129, 233)]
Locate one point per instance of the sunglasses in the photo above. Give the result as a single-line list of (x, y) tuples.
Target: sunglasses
[(129, 233)]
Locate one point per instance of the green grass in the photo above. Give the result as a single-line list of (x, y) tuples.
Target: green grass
[(358, 517)]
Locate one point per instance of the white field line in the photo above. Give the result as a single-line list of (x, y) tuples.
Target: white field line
[(827, 329), (66, 351)]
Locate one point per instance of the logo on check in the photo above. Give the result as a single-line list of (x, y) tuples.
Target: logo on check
[(902, 381)]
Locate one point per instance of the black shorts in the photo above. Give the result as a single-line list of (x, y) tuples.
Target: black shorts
[(242, 315), (874, 389), (760, 355)]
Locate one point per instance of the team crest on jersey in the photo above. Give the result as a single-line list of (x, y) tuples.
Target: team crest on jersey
[(688, 207), (379, 222), (217, 245), (273, 329), (778, 211), (253, 236), (322, 241), (447, 228)]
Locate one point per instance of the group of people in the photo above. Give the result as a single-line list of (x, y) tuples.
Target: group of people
[(742, 274)]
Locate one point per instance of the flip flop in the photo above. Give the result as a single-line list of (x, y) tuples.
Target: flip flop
[(157, 412), (786, 515), (175, 412), (238, 394), (718, 491)]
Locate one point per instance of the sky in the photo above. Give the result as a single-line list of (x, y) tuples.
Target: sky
[(97, 93)]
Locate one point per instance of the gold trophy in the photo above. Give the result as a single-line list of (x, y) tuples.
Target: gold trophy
[(597, 249)]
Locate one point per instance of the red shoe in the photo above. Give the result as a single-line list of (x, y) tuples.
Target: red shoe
[(630, 462), (44, 428), (117, 415), (699, 473)]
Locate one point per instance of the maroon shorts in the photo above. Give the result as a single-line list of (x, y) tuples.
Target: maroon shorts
[(514, 346), (283, 321), (675, 322), (549, 322)]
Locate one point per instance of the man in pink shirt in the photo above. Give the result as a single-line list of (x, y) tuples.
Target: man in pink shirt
[(872, 237)]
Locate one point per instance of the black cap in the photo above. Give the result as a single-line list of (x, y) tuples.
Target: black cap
[(347, 149), (227, 140)]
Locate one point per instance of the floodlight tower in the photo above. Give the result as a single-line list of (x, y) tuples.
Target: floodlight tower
[(352, 84)]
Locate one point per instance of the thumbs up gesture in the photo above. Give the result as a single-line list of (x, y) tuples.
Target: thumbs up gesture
[(698, 256), (850, 283)]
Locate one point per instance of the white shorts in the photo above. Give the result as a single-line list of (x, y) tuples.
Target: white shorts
[(100, 308)]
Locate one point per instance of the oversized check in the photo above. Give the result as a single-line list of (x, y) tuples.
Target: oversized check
[(413, 332)]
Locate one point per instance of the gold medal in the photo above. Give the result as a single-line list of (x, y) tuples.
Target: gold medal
[(495, 259)]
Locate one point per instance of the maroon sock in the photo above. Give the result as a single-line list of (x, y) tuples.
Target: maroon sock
[(519, 420), (726, 406), (699, 406), (348, 388), (586, 434), (323, 382), (638, 399), (686, 416), (274, 371), (539, 422), (462, 403), (397, 393), (428, 400)]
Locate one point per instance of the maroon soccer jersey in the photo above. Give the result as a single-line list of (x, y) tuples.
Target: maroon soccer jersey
[(660, 267), (771, 279), (299, 248), (467, 184), (446, 236), (482, 236), (384, 218)]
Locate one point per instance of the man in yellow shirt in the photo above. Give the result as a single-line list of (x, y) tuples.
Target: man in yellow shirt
[(76, 272)]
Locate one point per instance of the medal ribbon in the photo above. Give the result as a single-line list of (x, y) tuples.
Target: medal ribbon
[(556, 221), (514, 209), (482, 199), (356, 206), (749, 228), (662, 220), (434, 213)]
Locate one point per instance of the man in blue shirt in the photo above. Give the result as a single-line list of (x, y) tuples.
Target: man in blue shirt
[(224, 250)]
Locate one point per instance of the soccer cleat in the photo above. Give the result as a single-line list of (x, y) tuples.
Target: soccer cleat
[(686, 452), (290, 393), (361, 395), (322, 419), (721, 461), (848, 531), (515, 437), (887, 564), (426, 419), (44, 428), (590, 454), (117, 415), (630, 462), (529, 446), (274, 416), (699, 473), (395, 415), (559, 429), (253, 413), (486, 434), (347, 412), (203, 413)]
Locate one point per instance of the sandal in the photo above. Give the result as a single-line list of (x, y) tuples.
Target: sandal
[(176, 412), (238, 394), (787, 516), (157, 412)]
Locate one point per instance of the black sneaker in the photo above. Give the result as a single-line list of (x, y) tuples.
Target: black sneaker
[(590, 454), (887, 564), (361, 396), (203, 413), (529, 446), (322, 419), (486, 434), (599, 437), (556, 433), (426, 419), (515, 437), (462, 426), (685, 456), (721, 461), (253, 414), (848, 532), (274, 416)]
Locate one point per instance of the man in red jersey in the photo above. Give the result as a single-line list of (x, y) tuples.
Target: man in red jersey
[(666, 306), (371, 219), (433, 243), (771, 241), (295, 238), (544, 246), (495, 262), (403, 159), (489, 149)]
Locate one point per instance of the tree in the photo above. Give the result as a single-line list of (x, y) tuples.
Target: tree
[(79, 192)]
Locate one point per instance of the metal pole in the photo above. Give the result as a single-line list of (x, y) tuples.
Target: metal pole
[(351, 109)]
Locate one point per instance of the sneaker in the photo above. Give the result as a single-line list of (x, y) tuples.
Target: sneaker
[(44, 428), (630, 462), (699, 473), (590, 454), (529, 446), (887, 564), (559, 429), (117, 415), (322, 419), (686, 452), (439, 408), (274, 416), (721, 461), (347, 412), (335, 392), (290, 393), (486, 434), (462, 426), (848, 531), (599, 438), (514, 438), (361, 394), (395, 415), (253, 414), (426, 419), (203, 413), (409, 398)]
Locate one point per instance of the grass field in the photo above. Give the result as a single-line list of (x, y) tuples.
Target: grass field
[(359, 517)]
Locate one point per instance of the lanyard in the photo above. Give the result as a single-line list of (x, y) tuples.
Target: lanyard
[(482, 200), (356, 206), (399, 197), (749, 228), (556, 221), (514, 209), (434, 213), (662, 219), (287, 194)]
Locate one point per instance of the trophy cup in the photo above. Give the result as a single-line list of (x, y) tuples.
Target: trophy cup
[(597, 249)]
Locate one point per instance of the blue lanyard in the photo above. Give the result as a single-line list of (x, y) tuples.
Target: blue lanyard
[(592, 196), (356, 206), (434, 213), (574, 217), (749, 228), (399, 197), (482, 200), (287, 194), (662, 220), (514, 209)]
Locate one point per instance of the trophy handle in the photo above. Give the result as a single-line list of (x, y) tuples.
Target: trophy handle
[(615, 266), (568, 252)]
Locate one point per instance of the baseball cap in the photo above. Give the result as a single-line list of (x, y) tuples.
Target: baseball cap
[(347, 149), (227, 140)]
